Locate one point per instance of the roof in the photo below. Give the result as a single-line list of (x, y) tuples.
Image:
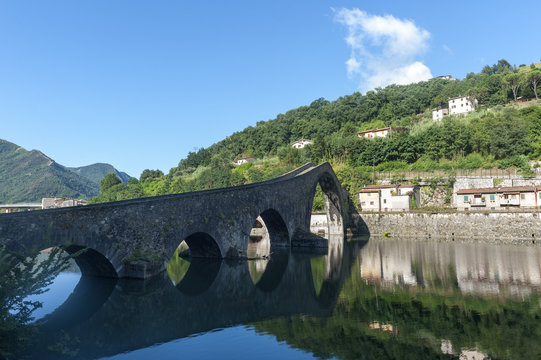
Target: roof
[(246, 158), (302, 140), (369, 190), (461, 97), (510, 189), (390, 128), (377, 188)]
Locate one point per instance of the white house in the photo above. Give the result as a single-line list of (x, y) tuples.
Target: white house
[(389, 197), (445, 77), (462, 105), (51, 203), (381, 133), (498, 198), (438, 114), (299, 144), (244, 160)]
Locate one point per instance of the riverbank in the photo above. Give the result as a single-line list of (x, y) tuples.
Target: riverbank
[(517, 228)]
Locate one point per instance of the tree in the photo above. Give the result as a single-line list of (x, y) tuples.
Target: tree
[(149, 175), (109, 181), (533, 78), (512, 81), (501, 67)]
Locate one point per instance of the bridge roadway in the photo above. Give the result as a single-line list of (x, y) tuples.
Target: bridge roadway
[(126, 315), (136, 238)]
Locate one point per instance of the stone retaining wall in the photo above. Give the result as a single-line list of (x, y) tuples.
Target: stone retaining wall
[(520, 228)]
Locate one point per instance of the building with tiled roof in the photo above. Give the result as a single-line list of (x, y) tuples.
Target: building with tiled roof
[(498, 198)]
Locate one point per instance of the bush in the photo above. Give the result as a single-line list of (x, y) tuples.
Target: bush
[(517, 161)]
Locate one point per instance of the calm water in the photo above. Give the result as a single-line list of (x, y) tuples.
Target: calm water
[(376, 299)]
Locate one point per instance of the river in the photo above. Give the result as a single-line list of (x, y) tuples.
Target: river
[(365, 299)]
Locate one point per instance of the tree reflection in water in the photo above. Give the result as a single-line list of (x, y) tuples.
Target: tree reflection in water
[(21, 278), (418, 300)]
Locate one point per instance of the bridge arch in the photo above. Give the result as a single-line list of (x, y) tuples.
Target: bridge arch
[(201, 244), (334, 206), (91, 262), (276, 228)]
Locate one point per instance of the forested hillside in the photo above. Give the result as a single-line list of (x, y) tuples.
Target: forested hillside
[(27, 176), (96, 172), (501, 133)]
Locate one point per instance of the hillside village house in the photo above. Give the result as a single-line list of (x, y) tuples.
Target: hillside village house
[(445, 77), (438, 114), (244, 160), (375, 133), (396, 197), (498, 198), (299, 144), (457, 106), (462, 105)]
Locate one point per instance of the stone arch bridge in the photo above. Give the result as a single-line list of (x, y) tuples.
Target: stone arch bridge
[(136, 238)]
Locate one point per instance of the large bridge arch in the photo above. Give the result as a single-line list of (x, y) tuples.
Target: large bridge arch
[(334, 202)]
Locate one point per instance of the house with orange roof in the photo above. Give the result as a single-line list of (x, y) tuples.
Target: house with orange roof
[(498, 198)]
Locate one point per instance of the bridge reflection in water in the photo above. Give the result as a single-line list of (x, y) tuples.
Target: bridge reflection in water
[(390, 296), (124, 315)]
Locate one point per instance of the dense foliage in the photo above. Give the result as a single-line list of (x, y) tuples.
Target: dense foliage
[(494, 136)]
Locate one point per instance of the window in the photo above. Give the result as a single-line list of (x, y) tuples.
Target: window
[(465, 198), (385, 201), (492, 197), (371, 203), (522, 196)]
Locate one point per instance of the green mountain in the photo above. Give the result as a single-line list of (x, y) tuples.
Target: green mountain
[(96, 172), (27, 176)]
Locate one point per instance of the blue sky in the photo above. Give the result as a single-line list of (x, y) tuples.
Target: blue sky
[(139, 84)]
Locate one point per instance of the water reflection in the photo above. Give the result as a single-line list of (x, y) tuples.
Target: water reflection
[(474, 268), (381, 299), (210, 295)]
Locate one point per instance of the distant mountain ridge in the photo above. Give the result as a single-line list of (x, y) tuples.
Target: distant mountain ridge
[(96, 172), (28, 176)]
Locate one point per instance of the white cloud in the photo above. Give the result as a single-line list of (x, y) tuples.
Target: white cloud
[(384, 49), (448, 49)]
